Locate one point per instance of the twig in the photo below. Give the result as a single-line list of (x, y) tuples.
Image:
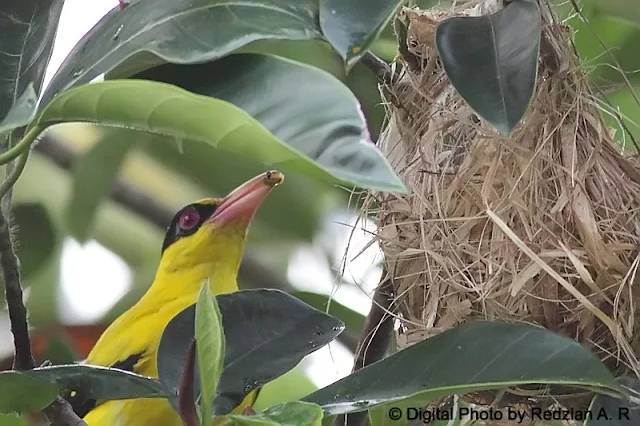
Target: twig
[(374, 340), (380, 68), (59, 412)]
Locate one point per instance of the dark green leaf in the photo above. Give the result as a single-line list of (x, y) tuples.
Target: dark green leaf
[(22, 111), (36, 236), (290, 414), (267, 333), (209, 348), (351, 26), (492, 60), (101, 383), (471, 357), (166, 109), (20, 392), (27, 31), (609, 410), (354, 321), (93, 175), (320, 118), (148, 33)]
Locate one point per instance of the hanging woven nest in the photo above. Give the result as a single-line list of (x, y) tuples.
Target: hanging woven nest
[(541, 227)]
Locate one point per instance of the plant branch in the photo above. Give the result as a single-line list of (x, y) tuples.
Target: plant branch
[(59, 412), (380, 68), (374, 341)]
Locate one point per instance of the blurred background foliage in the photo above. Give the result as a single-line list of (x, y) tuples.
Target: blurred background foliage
[(69, 199)]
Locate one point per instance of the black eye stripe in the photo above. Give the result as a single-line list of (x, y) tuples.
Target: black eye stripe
[(175, 232)]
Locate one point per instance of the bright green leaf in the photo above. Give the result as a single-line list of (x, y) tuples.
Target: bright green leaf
[(492, 60), (267, 333), (93, 176), (290, 414), (22, 111), (471, 357), (165, 109), (146, 34), (321, 118), (36, 235), (351, 26), (209, 348), (291, 386), (20, 392)]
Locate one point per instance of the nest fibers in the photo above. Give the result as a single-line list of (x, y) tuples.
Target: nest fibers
[(540, 227)]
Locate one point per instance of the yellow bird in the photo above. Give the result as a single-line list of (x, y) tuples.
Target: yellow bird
[(204, 240)]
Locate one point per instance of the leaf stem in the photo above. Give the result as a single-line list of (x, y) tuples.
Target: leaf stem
[(24, 144), (15, 174)]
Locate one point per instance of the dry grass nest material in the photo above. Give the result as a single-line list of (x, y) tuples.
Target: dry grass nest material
[(541, 227)]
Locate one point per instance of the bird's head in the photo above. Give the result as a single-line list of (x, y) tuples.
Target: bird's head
[(208, 236)]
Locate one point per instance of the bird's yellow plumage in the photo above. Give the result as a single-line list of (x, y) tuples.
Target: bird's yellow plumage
[(205, 240)]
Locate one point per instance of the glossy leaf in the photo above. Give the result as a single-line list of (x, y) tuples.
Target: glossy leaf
[(609, 410), (351, 26), (27, 31), (101, 383), (20, 392), (150, 33), (321, 118), (36, 234), (290, 414), (93, 176), (209, 348), (471, 357), (267, 333), (492, 60), (165, 109)]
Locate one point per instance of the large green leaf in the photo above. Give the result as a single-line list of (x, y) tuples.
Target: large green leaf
[(93, 175), (472, 357), (609, 410), (165, 109), (148, 33), (492, 60), (36, 236), (20, 392), (351, 26), (290, 414), (321, 118), (210, 351), (267, 333), (27, 31)]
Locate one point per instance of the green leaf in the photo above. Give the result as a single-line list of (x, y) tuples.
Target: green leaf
[(165, 109), (93, 176), (321, 118), (12, 420), (290, 414), (20, 392), (471, 357), (609, 410), (27, 31), (150, 33), (492, 60), (22, 111), (351, 26), (92, 382), (36, 236), (267, 333), (291, 386), (209, 348)]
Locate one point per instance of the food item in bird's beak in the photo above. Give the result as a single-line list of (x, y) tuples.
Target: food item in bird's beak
[(242, 204)]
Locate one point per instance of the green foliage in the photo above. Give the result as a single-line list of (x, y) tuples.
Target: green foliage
[(20, 392), (210, 348), (289, 414), (478, 56), (471, 357), (37, 236), (267, 333)]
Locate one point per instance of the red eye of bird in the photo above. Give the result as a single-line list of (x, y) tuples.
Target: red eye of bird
[(189, 218)]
